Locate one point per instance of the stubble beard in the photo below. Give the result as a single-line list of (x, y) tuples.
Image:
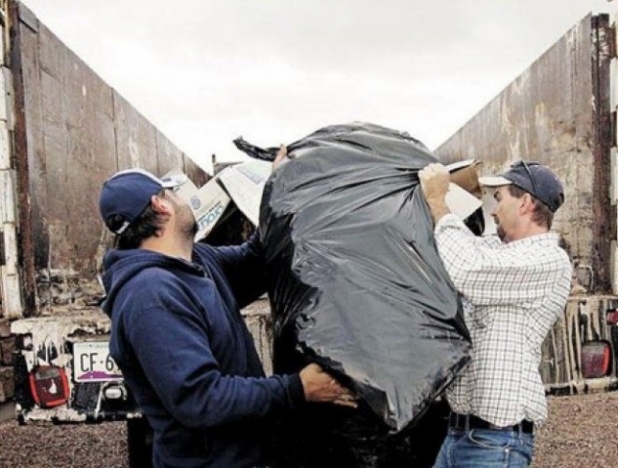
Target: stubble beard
[(188, 225), (185, 221)]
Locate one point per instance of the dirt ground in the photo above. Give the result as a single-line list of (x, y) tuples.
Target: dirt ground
[(582, 432)]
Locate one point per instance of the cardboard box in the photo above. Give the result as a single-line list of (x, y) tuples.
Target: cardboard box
[(245, 183), (208, 203)]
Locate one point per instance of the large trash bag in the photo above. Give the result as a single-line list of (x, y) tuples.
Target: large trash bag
[(357, 285)]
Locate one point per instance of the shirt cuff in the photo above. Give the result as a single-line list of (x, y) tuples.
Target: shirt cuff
[(448, 220), (296, 392)]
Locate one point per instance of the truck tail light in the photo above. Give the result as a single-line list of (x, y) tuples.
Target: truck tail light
[(612, 317), (49, 386), (596, 359)]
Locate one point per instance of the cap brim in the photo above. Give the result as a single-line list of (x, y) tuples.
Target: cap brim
[(171, 181), (495, 181)]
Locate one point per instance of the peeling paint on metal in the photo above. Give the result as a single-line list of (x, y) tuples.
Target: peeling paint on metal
[(49, 335)]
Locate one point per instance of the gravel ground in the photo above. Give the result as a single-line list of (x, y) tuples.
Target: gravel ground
[(582, 431)]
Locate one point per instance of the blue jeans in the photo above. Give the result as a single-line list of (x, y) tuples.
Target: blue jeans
[(485, 448)]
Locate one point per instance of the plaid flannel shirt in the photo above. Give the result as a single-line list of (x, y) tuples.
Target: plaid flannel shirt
[(513, 293)]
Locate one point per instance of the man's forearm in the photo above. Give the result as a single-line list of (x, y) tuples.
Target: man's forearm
[(438, 209)]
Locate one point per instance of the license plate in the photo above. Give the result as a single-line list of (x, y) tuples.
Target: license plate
[(92, 362)]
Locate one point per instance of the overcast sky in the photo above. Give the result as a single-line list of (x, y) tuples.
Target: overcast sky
[(273, 71)]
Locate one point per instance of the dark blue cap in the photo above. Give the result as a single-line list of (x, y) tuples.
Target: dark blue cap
[(127, 194), (534, 178)]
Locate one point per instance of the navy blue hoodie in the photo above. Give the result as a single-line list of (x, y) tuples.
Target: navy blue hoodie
[(187, 356)]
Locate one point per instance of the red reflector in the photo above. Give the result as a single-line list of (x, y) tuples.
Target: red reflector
[(49, 386), (612, 317), (596, 359)]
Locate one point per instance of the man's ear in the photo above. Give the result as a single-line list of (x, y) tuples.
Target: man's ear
[(160, 205), (526, 203)]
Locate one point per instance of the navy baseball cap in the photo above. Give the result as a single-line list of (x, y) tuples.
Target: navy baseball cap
[(127, 194), (535, 179)]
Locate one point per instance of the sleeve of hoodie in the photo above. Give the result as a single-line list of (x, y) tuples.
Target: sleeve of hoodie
[(173, 349), (244, 268)]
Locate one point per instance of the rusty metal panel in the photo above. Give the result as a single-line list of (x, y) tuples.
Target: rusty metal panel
[(78, 144), (136, 139), (168, 156), (72, 131), (24, 66), (557, 112), (195, 172)]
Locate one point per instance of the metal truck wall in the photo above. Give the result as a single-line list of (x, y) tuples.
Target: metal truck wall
[(558, 112), (71, 131)]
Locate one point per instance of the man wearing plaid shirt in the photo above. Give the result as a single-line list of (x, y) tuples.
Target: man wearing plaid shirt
[(513, 287)]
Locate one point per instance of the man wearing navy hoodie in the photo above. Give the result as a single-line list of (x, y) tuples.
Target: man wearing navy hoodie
[(178, 335)]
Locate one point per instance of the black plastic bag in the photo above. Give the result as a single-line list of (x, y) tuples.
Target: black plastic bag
[(356, 282)]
